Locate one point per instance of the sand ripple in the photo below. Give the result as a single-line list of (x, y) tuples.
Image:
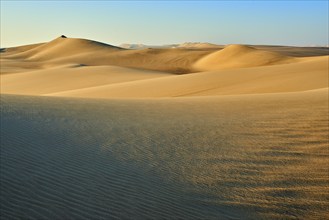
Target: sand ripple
[(247, 157)]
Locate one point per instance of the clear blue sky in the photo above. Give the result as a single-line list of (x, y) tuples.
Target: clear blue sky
[(165, 22)]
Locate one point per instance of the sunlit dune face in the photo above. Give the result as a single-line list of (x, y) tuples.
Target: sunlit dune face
[(92, 69)]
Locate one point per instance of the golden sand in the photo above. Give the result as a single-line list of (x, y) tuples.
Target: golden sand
[(93, 131)]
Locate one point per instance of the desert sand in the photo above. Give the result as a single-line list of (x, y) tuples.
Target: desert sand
[(197, 131)]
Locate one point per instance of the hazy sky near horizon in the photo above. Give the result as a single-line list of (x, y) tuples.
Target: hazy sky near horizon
[(302, 23)]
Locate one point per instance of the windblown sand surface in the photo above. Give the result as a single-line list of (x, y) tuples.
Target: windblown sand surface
[(93, 131)]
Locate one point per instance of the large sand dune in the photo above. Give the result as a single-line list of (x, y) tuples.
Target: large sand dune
[(40, 82), (238, 56), (247, 156), (62, 47), (94, 131), (307, 75), (86, 68), (63, 51)]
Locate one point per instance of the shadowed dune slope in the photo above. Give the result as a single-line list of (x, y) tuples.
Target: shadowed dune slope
[(232, 157)]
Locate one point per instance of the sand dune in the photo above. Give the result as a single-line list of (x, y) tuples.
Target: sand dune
[(63, 51), (85, 68), (71, 77), (295, 51), (67, 51), (134, 46), (187, 45), (62, 47), (239, 56), (193, 45), (307, 75), (20, 48), (144, 46), (18, 66), (256, 156), (179, 133)]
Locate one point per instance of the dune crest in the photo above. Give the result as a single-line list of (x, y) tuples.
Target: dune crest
[(66, 51), (63, 47), (240, 56)]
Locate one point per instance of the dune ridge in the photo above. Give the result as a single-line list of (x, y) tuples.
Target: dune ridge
[(240, 56), (236, 69), (62, 47), (63, 51)]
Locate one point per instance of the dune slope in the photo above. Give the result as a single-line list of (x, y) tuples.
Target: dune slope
[(250, 156), (62, 47), (61, 79), (85, 68), (75, 51), (94, 132), (239, 56), (67, 51), (310, 74)]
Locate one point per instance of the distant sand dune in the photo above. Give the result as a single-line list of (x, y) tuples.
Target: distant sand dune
[(199, 45), (85, 68), (307, 75), (80, 51), (66, 51), (62, 47), (239, 56)]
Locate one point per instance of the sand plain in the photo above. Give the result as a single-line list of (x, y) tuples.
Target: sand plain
[(94, 131)]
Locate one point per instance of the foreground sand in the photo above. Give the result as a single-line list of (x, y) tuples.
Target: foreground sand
[(93, 131), (256, 156)]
